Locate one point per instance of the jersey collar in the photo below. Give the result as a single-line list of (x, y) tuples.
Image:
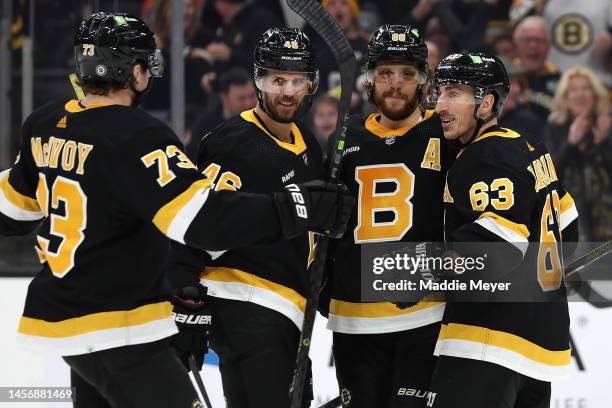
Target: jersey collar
[(73, 106), (494, 131), (297, 147), (374, 126)]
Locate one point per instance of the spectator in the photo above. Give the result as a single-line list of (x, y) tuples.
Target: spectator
[(437, 33), (578, 137), (514, 116), (324, 114), (468, 22), (346, 14), (433, 56), (236, 95), (157, 101), (231, 37), (503, 46), (531, 38)]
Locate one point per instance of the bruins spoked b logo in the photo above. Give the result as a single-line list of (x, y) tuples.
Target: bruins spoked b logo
[(572, 33), (345, 397)]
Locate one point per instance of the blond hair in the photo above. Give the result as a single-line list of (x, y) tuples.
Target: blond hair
[(560, 111)]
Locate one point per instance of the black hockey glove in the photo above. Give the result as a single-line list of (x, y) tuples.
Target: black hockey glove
[(315, 206), (193, 319), (427, 271)]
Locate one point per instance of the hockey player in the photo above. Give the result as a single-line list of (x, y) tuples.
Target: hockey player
[(258, 293), (394, 165), (107, 184), (500, 190)]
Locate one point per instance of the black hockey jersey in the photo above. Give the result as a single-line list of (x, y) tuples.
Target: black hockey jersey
[(501, 189), (243, 155), (106, 183), (397, 177)]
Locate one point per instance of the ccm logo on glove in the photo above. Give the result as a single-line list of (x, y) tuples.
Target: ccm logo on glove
[(298, 200)]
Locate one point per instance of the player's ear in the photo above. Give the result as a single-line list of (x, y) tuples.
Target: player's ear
[(486, 106), (139, 73)]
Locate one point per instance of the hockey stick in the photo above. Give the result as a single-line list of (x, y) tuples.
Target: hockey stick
[(582, 286), (198, 379), (326, 27), (78, 91), (588, 258)]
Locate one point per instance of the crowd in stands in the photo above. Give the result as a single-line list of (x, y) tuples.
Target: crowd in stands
[(558, 54)]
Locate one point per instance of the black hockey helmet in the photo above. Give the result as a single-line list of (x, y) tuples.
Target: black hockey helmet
[(485, 74), (397, 43), (288, 50), (285, 49), (107, 45)]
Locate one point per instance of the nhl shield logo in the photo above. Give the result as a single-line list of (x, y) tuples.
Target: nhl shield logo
[(305, 158), (390, 140)]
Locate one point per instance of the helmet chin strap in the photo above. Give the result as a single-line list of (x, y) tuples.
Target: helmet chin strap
[(480, 122)]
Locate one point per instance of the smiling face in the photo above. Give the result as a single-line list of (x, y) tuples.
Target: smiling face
[(455, 105), (532, 46), (395, 88), (580, 96), (283, 94)]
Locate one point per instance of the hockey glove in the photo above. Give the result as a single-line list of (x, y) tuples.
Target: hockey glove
[(315, 206), (426, 271), (193, 320)]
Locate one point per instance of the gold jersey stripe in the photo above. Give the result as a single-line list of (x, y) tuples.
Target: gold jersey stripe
[(19, 200), (297, 147), (374, 126), (165, 215), (520, 229), (505, 133), (223, 274), (508, 341), (375, 310), (567, 202), (73, 106), (95, 321)]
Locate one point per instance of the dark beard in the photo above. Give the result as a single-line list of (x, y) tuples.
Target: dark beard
[(271, 110), (409, 107)]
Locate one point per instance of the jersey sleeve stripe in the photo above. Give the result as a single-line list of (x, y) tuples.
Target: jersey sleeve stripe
[(505, 340), (16, 205), (174, 218), (95, 322), (568, 211), (230, 283), (376, 318), (509, 231), (374, 310)]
